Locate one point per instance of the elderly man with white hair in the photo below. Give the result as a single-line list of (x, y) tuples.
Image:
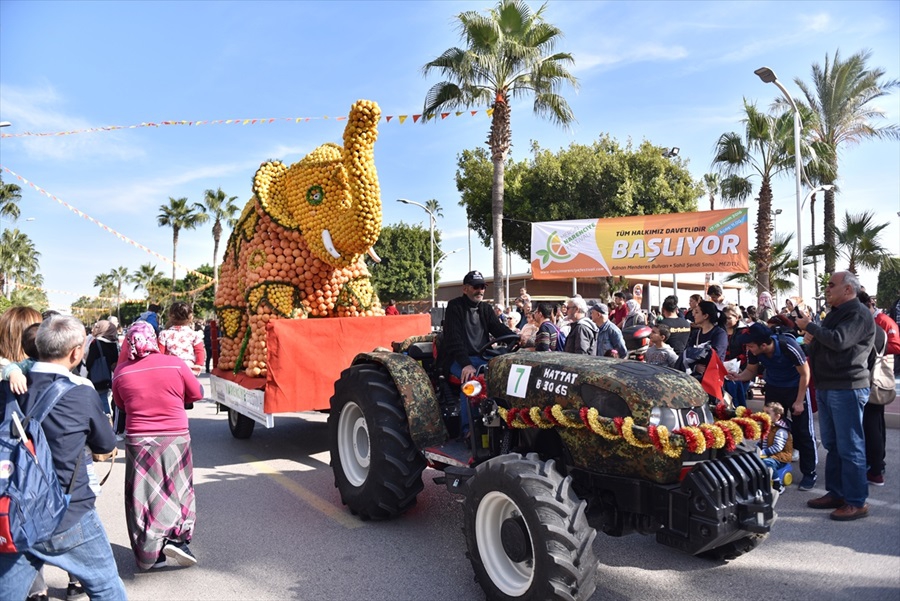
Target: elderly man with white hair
[(582, 337)]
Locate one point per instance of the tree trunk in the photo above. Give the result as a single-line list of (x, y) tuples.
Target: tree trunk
[(764, 238), (174, 251), (217, 235), (499, 143), (830, 234)]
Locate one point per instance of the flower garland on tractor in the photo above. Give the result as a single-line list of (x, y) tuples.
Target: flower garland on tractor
[(727, 432)]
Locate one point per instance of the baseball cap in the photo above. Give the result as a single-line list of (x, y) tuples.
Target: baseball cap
[(600, 308), (474, 278), (757, 333)]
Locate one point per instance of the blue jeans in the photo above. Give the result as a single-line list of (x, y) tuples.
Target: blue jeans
[(456, 370), (83, 550), (841, 428)]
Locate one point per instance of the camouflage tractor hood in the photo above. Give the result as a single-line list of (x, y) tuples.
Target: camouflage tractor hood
[(615, 388)]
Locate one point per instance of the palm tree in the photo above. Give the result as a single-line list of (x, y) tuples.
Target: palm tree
[(782, 267), (119, 275), (509, 54), (10, 195), (841, 95), (858, 242), (435, 207), (765, 150), (179, 215), (18, 258), (712, 184), (143, 278), (106, 283), (220, 206)]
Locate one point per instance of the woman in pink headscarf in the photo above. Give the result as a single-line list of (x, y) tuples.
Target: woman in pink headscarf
[(153, 389)]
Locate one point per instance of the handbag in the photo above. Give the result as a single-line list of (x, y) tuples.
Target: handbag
[(99, 373), (881, 389)]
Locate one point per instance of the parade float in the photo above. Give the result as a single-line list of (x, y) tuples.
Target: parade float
[(295, 302)]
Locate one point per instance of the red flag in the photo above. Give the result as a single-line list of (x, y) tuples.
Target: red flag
[(714, 376)]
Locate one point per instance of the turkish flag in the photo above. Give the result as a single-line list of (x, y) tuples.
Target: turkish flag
[(714, 376)]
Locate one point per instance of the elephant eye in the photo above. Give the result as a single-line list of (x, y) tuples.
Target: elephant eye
[(315, 195)]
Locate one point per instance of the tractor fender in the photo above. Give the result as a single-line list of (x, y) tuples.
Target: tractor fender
[(426, 426)]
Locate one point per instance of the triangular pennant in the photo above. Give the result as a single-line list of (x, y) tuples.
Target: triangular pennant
[(474, 113), (444, 115), (388, 118), (490, 112), (402, 119), (458, 113), (416, 118)]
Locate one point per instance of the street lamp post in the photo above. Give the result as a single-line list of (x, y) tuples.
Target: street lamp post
[(768, 76), (775, 215), (434, 269), (431, 231)]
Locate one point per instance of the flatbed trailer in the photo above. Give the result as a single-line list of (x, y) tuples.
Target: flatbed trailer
[(305, 357)]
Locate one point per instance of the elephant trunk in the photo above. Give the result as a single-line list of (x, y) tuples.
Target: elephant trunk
[(359, 163)]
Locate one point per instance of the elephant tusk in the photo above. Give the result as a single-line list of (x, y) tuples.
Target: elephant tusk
[(329, 245), (371, 252)]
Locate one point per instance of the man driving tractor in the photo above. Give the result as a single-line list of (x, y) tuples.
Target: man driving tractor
[(469, 323)]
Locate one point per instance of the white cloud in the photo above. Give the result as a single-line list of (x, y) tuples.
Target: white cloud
[(636, 53), (820, 23), (39, 110)]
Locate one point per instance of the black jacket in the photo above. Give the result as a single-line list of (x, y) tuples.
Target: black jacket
[(582, 338), (839, 353), (110, 350), (466, 329)]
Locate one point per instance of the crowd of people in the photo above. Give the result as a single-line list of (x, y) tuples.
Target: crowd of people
[(142, 378), (804, 361), (139, 381)]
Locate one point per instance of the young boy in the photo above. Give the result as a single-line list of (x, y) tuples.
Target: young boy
[(659, 352), (778, 447)]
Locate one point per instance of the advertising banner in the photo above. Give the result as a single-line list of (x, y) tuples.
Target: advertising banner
[(708, 241)]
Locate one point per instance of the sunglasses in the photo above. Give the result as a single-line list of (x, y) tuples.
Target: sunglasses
[(478, 286)]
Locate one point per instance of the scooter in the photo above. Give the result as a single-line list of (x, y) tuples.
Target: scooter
[(637, 341)]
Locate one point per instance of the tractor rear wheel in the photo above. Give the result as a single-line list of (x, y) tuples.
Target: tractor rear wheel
[(377, 468)]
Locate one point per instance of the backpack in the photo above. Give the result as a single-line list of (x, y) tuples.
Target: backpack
[(881, 388), (32, 502), (560, 338)]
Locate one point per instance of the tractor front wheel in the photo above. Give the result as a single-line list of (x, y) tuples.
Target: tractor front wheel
[(527, 533)]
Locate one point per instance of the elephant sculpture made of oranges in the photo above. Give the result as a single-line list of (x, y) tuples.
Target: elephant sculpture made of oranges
[(298, 249)]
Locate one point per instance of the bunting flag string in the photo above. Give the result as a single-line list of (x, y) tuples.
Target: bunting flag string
[(103, 226), (295, 120), (112, 298)]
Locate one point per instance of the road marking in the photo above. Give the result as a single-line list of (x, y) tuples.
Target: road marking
[(880, 503), (311, 499)]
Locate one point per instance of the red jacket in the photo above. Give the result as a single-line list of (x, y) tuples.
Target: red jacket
[(893, 332)]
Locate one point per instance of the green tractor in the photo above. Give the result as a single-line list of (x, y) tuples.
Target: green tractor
[(561, 446)]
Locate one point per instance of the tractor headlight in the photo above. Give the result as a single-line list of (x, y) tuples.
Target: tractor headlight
[(471, 388)]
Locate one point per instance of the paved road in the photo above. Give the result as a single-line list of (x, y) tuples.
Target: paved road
[(271, 526)]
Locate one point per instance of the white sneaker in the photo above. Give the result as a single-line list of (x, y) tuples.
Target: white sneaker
[(120, 437), (796, 456), (179, 553)]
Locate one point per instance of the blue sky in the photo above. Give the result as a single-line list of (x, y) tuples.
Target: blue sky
[(673, 73)]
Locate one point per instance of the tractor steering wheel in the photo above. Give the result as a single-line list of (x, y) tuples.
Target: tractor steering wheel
[(487, 352)]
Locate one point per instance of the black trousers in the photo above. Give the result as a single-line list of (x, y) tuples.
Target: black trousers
[(873, 428), (803, 431)]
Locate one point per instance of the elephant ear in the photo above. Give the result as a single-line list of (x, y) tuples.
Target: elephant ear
[(270, 188)]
